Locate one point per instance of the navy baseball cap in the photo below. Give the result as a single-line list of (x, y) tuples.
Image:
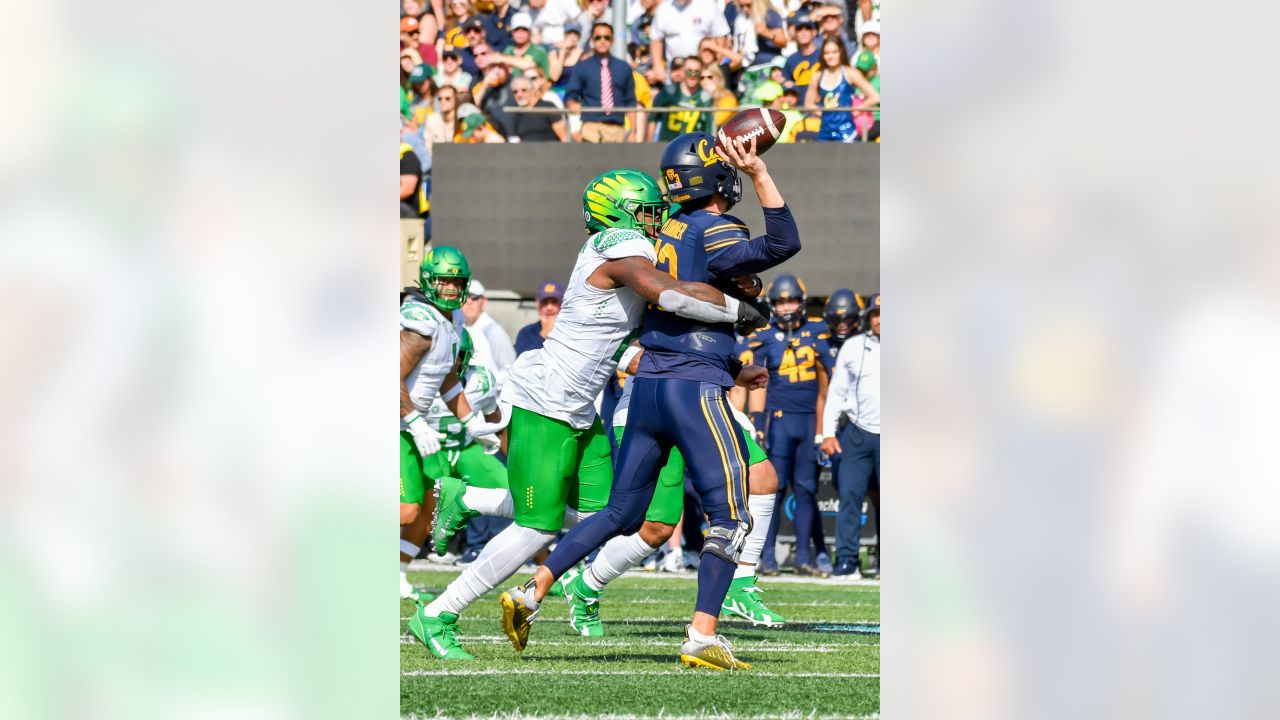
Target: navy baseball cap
[(550, 289)]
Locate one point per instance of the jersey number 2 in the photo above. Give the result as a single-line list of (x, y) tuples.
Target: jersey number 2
[(667, 258)]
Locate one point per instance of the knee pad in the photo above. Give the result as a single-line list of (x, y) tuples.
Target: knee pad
[(726, 542)]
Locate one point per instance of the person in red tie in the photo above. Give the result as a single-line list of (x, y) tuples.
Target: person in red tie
[(604, 81)]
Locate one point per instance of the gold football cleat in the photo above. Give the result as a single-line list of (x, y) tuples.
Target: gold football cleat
[(716, 655), (516, 618)]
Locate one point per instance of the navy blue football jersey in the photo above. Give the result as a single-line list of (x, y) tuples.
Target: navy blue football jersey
[(705, 247), (792, 360)]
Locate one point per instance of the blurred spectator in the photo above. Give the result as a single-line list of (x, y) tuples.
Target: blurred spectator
[(550, 295), (564, 55), (596, 11), (869, 39), (833, 87), (542, 87), (868, 10), (678, 27), (479, 322), (413, 193), (601, 80), (713, 87), (474, 128), (412, 36), (851, 428), (442, 125), (830, 19), (493, 93), (474, 47), (553, 19), (529, 127), (801, 64), (409, 59), (806, 127), (757, 31), (640, 20), (715, 54), (451, 73), (497, 16), (522, 53), (868, 124), (638, 123), (687, 94), (460, 13), (422, 95)]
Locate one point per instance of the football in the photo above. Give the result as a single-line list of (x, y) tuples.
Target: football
[(763, 124)]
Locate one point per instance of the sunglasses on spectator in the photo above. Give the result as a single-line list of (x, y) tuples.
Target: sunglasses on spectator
[(415, 33), (601, 37)]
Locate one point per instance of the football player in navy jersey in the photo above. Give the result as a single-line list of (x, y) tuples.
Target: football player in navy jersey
[(794, 350), (678, 399), (843, 319)]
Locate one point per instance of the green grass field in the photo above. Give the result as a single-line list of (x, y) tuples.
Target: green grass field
[(824, 663)]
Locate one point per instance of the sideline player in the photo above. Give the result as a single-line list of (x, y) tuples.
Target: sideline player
[(428, 353), (794, 350), (558, 460), (583, 590), (679, 394)]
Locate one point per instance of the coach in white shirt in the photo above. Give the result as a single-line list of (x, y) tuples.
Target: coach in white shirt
[(500, 350), (853, 399), (678, 27)]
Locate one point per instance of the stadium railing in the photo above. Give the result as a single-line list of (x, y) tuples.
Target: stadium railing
[(517, 109)]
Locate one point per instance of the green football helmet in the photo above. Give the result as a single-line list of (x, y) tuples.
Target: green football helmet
[(444, 262), (466, 348), (625, 198)]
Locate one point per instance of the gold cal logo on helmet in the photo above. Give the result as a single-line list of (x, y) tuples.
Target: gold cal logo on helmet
[(707, 159)]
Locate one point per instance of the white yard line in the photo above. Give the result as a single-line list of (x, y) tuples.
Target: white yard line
[(745, 647), (645, 673), (705, 715), (678, 622)]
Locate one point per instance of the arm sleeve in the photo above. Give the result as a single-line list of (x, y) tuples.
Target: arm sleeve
[(576, 82), (836, 389), (781, 240), (628, 87)]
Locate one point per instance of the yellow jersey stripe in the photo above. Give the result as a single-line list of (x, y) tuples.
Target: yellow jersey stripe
[(739, 462), (723, 228), (724, 243), (724, 458)]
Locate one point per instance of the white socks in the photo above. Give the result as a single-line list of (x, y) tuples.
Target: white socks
[(409, 549), (616, 557), (761, 509), (501, 557), (494, 502)]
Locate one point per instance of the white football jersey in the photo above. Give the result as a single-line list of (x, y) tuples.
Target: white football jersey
[(424, 382), (563, 378), (482, 395)]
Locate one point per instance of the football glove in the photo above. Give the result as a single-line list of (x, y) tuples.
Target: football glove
[(424, 436)]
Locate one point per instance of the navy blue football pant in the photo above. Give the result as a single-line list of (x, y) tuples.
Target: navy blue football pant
[(694, 417), (859, 472), (789, 442)]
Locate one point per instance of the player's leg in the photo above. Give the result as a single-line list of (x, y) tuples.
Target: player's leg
[(783, 457), (856, 467), (626, 551), (716, 454), (804, 485), (542, 455), (645, 448), (412, 518), (744, 596), (480, 489)]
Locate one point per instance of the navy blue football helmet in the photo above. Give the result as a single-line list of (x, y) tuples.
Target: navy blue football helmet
[(787, 287), (842, 310), (692, 170)]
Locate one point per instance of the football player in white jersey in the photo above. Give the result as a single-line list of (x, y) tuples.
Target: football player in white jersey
[(461, 465), (428, 351), (558, 461)]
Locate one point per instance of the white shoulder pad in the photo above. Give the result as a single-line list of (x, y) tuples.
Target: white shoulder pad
[(420, 318), (615, 244), (481, 390)]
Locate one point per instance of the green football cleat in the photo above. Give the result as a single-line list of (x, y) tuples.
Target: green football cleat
[(584, 608), (439, 634), (743, 600), (451, 514), (716, 654)]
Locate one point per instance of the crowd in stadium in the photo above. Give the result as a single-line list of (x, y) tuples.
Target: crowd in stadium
[(464, 64)]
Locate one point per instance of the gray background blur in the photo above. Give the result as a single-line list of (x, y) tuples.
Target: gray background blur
[(516, 210)]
